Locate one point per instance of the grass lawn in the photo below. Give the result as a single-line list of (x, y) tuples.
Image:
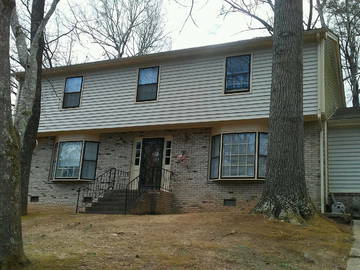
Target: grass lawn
[(56, 238)]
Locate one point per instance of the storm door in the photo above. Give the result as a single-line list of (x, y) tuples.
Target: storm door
[(151, 163)]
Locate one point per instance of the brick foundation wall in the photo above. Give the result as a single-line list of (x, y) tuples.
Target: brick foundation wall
[(191, 188), (154, 202), (312, 161)]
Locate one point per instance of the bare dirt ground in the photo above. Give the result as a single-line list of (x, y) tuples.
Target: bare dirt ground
[(56, 238)]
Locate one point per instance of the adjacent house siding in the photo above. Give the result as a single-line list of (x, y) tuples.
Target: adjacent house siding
[(190, 91), (344, 160), (332, 79)]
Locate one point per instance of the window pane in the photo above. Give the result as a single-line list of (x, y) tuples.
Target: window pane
[(238, 72), (237, 64), (147, 92), (263, 152), (137, 161), (148, 75), (262, 167), (167, 161), (240, 81), (73, 85), (168, 144), (263, 144), (239, 153), (68, 163), (71, 100), (91, 149), (88, 169), (215, 157), (53, 162)]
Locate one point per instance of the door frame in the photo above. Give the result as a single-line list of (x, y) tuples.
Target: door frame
[(135, 169)]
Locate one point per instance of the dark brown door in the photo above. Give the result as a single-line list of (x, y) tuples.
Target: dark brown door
[(151, 163)]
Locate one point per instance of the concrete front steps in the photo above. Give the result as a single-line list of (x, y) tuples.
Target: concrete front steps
[(113, 202), (150, 202)]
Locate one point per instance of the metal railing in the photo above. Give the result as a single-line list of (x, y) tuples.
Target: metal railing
[(112, 179), (155, 179)]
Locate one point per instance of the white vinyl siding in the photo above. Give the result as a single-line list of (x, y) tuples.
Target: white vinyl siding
[(344, 160), (190, 91)]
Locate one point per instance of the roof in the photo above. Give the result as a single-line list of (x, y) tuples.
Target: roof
[(346, 114), (249, 44)]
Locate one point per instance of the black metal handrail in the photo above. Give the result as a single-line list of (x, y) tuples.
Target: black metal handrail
[(158, 181), (112, 179)]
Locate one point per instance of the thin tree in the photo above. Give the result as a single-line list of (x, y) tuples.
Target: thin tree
[(285, 195), (11, 245), (123, 27), (27, 114), (344, 19)]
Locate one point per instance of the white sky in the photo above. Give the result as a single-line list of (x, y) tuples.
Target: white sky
[(212, 27)]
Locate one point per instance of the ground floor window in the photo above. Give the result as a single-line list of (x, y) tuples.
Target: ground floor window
[(238, 155), (74, 160)]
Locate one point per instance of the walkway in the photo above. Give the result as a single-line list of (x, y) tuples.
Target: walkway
[(354, 260)]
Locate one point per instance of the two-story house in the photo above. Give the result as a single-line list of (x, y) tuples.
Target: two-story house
[(189, 122)]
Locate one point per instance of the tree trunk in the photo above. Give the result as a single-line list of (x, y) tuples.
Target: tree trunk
[(11, 245), (285, 196), (355, 93), (353, 77), (28, 142)]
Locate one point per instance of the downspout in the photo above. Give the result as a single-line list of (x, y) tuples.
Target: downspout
[(322, 182), (322, 121), (326, 180)]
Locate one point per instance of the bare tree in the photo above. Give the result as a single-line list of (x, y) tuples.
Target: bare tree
[(285, 196), (344, 19), (11, 245), (27, 114), (59, 38), (123, 27), (262, 12)]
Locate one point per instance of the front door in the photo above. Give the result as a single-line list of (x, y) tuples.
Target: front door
[(151, 163)]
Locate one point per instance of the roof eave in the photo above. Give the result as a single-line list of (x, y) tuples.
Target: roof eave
[(255, 43)]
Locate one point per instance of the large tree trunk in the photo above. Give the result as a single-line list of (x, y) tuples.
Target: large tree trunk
[(11, 246), (285, 196), (355, 92), (30, 131)]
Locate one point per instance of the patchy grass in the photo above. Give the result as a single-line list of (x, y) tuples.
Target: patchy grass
[(56, 238)]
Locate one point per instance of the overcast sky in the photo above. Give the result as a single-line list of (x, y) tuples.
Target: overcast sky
[(212, 27)]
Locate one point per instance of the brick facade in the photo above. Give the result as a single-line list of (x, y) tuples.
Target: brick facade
[(191, 188)]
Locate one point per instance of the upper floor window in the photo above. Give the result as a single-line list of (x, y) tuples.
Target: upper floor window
[(237, 155), (237, 74), (72, 92), (75, 160), (147, 84)]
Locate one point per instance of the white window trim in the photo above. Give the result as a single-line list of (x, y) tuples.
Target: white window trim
[(245, 178), (54, 161)]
